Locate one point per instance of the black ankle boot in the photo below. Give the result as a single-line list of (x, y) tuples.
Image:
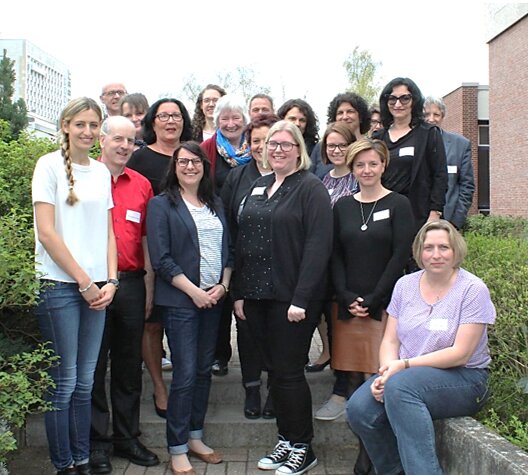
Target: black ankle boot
[(252, 403), (363, 464), (268, 412)]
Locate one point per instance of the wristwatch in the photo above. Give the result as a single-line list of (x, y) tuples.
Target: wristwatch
[(113, 281)]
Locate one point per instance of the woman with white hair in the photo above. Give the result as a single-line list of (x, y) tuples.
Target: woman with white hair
[(226, 149), (282, 252)]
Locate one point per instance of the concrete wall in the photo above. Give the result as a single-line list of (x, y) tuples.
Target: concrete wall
[(466, 447)]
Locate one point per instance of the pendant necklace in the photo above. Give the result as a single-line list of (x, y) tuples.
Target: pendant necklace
[(364, 226)]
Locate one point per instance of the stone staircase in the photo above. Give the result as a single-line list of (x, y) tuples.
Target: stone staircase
[(226, 425)]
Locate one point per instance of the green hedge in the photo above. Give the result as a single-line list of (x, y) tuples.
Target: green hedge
[(498, 254)]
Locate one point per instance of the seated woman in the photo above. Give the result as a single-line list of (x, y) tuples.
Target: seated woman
[(433, 358), (188, 244)]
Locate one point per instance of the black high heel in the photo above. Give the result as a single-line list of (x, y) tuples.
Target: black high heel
[(316, 367), (160, 412)]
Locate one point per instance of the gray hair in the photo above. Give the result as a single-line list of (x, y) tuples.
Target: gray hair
[(436, 101), (114, 121), (231, 102)]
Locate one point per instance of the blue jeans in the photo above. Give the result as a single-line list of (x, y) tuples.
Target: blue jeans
[(75, 333), (399, 434), (192, 335)]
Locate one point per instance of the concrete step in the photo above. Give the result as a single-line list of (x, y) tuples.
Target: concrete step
[(226, 425), (228, 389)]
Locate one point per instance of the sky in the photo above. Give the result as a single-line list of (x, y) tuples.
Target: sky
[(297, 48)]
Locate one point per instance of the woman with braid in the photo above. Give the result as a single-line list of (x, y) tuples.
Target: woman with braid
[(76, 261)]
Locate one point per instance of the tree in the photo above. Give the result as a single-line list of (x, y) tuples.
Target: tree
[(15, 113), (361, 71), (240, 81)]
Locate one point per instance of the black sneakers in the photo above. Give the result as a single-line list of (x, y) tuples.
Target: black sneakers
[(300, 460), (277, 457)]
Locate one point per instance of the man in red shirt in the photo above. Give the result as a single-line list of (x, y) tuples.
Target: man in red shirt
[(125, 317)]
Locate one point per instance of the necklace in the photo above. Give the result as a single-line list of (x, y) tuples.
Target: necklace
[(364, 226)]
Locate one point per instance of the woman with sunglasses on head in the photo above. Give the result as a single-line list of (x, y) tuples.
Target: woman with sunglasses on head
[(417, 166), (165, 126), (188, 244)]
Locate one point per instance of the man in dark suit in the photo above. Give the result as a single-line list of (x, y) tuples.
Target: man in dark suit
[(461, 181)]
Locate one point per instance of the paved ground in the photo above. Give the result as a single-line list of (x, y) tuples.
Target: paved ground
[(237, 461)]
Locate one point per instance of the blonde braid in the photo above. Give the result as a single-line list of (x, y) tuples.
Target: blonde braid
[(65, 149)]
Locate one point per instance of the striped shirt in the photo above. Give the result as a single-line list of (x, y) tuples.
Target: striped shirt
[(210, 233)]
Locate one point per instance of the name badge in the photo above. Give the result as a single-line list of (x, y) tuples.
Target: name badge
[(330, 191), (438, 324), (133, 216), (451, 169), (258, 190), (405, 151), (379, 215)]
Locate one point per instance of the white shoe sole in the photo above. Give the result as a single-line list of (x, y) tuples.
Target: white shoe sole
[(312, 465), (329, 418)]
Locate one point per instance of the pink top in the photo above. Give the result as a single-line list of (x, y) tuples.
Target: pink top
[(423, 328)]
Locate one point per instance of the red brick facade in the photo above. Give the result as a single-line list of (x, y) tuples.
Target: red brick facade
[(508, 53), (462, 118)]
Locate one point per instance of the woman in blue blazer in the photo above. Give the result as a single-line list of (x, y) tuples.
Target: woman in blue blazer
[(188, 243)]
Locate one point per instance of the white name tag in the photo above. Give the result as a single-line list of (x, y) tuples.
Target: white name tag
[(379, 215), (133, 216), (330, 191), (438, 324), (451, 169), (405, 151), (258, 190)]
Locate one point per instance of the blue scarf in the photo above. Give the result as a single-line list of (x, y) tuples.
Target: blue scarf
[(233, 156)]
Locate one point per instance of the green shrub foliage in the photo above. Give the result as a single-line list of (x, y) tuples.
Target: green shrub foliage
[(498, 254)]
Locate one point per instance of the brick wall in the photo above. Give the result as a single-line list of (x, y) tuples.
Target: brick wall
[(462, 118), (508, 106)]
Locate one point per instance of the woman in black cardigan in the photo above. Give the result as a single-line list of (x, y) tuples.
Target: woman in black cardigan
[(283, 248)]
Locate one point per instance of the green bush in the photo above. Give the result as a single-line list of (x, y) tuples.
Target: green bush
[(498, 254), (23, 382)]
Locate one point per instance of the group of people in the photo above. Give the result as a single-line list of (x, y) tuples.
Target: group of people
[(181, 223)]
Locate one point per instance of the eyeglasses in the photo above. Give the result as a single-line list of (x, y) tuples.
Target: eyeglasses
[(210, 100), (184, 162), (164, 117), (116, 92), (375, 122), (404, 99), (285, 146), (332, 147)]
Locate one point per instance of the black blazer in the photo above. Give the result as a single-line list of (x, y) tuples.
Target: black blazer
[(174, 248)]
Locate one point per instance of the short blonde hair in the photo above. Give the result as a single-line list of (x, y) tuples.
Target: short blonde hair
[(304, 162), (456, 241), (364, 144)]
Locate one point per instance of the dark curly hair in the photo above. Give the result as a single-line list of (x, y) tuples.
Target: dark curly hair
[(357, 102), (171, 184), (417, 102), (311, 133), (149, 136), (198, 120)]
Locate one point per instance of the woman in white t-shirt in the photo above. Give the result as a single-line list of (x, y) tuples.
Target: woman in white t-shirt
[(76, 261)]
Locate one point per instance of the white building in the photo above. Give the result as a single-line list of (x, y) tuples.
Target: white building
[(42, 81)]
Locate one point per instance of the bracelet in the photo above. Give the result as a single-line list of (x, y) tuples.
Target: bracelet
[(224, 286), (86, 288), (406, 362)]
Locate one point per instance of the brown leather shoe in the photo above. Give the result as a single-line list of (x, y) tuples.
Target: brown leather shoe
[(213, 457)]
